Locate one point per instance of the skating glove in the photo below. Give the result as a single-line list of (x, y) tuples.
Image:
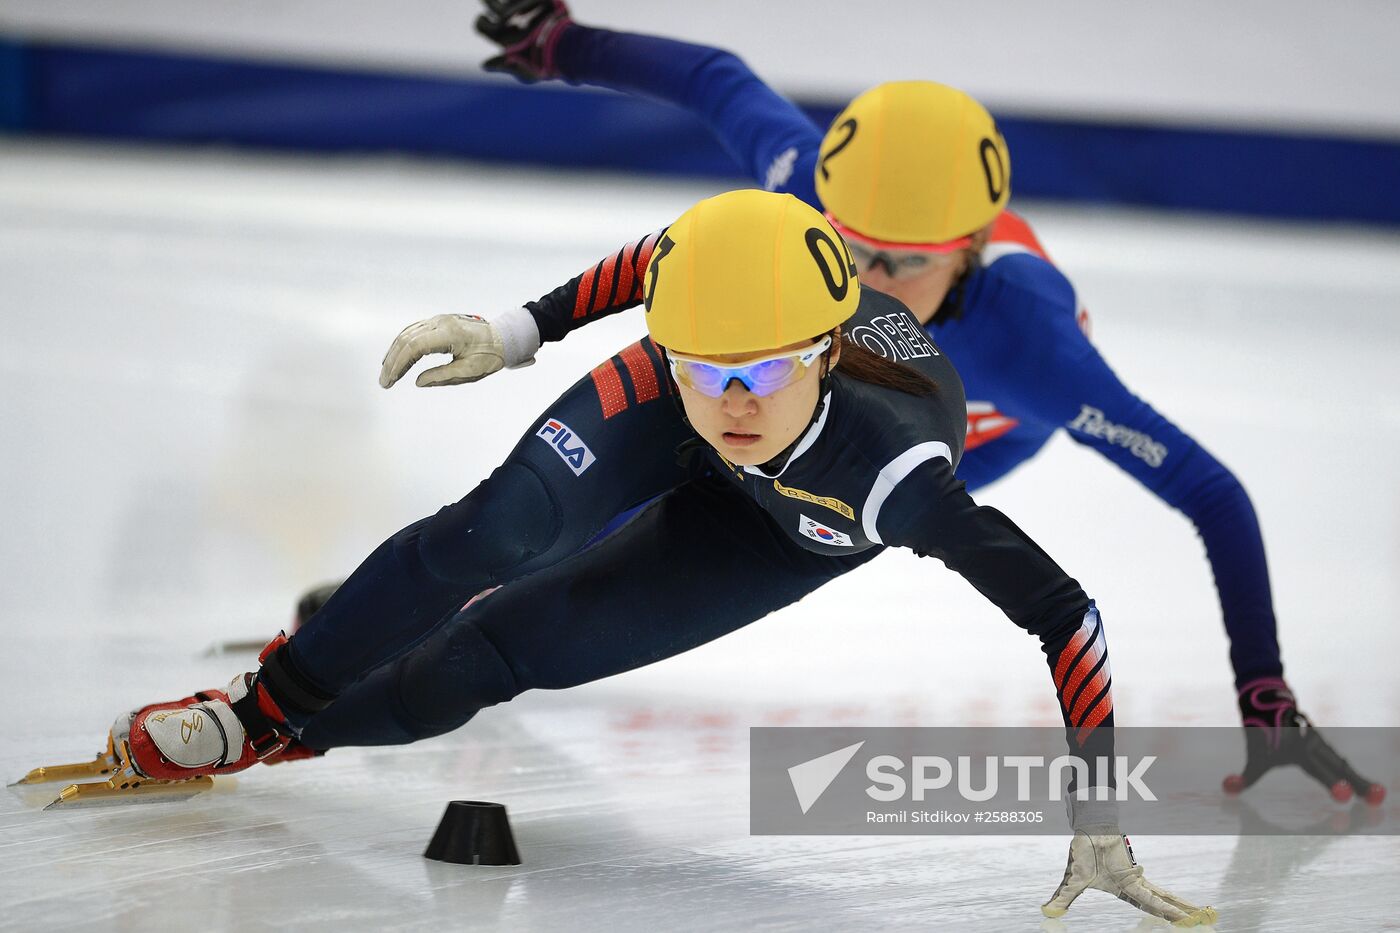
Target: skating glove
[(527, 32), (479, 347), (1276, 734), (1105, 861)]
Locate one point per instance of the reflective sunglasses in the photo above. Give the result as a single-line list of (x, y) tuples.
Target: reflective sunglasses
[(762, 376), (899, 264), (901, 260)]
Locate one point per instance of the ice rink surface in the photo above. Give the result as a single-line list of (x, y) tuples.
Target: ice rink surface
[(193, 433)]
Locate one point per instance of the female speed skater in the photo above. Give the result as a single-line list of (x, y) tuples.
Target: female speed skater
[(916, 178), (806, 455)]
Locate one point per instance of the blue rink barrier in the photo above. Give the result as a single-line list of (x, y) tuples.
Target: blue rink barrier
[(159, 96), (14, 85)]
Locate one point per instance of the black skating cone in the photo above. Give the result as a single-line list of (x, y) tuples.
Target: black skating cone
[(474, 832)]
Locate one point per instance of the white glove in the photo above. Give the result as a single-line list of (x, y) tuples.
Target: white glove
[(1104, 861), (479, 347)]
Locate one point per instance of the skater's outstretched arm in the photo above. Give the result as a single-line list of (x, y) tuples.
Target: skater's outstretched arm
[(480, 347), (929, 510), (769, 136), (1060, 379)]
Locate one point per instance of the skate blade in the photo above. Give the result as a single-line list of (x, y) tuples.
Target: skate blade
[(126, 789), (99, 766)]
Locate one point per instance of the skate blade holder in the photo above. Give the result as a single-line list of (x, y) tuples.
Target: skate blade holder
[(122, 786), (123, 789), (101, 765)]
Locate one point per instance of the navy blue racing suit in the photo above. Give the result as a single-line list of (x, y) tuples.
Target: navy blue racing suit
[(717, 547)]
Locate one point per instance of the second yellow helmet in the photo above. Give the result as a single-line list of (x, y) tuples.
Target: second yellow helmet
[(913, 162)]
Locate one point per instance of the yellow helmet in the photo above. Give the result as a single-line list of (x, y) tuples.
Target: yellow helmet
[(913, 163), (747, 270)]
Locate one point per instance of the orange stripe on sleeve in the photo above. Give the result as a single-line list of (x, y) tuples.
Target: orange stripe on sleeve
[(608, 268), (624, 273), (585, 294), (643, 256)]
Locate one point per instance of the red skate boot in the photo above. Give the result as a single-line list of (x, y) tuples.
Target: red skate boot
[(214, 732), (168, 751)]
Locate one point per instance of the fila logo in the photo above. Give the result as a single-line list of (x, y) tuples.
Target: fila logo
[(569, 446), (819, 532)]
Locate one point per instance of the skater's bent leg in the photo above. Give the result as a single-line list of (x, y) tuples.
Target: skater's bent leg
[(400, 703), (700, 562), (579, 465), (426, 572)]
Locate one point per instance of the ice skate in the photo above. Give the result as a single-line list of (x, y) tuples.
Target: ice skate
[(119, 782), (122, 784), (172, 750)]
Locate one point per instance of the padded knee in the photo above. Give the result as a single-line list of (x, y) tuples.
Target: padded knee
[(487, 537), (449, 678)]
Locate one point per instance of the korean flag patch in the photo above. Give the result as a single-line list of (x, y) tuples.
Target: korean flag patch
[(819, 532)]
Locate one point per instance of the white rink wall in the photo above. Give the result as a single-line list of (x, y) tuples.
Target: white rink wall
[(1285, 64)]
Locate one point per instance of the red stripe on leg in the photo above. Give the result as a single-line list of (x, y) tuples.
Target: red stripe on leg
[(1098, 715), (1092, 690), (1068, 654), (1081, 670), (611, 396), (642, 371)]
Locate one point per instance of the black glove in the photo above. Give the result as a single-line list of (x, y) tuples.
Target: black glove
[(1276, 734), (527, 32)]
